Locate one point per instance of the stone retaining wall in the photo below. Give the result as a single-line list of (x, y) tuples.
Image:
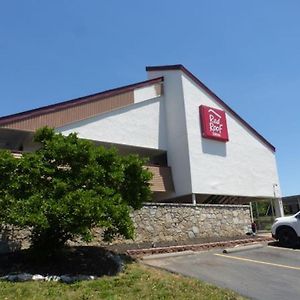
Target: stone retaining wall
[(164, 223), (173, 222), (12, 239)]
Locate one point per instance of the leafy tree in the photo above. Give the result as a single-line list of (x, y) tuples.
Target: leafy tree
[(69, 186)]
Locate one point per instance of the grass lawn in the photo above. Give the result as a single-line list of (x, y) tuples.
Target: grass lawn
[(136, 282)]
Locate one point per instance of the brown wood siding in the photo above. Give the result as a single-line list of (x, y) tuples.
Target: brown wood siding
[(162, 179), (72, 114)]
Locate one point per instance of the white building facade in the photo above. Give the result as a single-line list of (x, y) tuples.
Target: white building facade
[(200, 150)]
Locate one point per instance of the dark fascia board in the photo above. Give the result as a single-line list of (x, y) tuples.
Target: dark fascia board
[(213, 95), (293, 197), (74, 102)]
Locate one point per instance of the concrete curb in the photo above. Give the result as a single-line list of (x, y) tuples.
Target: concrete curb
[(243, 248), (138, 253), (166, 255)]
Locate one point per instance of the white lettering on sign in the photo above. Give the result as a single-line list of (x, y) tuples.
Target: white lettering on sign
[(215, 125)]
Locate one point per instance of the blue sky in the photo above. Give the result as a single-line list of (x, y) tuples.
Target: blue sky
[(247, 52)]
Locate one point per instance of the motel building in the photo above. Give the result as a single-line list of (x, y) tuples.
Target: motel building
[(200, 150)]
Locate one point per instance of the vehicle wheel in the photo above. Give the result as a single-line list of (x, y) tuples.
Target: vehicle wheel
[(287, 237)]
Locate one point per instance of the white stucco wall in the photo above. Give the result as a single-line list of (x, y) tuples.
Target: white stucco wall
[(145, 93), (244, 166), (141, 124), (176, 130)]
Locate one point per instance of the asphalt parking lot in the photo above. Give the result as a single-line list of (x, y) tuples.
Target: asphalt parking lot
[(265, 273)]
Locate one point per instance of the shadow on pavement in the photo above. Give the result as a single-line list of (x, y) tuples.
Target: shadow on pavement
[(276, 244)]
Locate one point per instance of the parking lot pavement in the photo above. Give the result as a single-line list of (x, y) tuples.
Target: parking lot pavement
[(265, 273)]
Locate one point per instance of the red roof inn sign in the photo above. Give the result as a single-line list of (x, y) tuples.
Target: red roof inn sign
[(213, 123)]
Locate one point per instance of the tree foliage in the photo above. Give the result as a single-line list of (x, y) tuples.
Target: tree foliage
[(69, 186)]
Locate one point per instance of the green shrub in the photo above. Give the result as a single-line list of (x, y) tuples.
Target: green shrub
[(69, 186)]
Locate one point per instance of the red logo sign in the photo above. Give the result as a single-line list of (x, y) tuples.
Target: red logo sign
[(213, 123)]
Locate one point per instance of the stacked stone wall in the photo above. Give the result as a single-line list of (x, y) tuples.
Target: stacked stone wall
[(174, 222), (163, 223)]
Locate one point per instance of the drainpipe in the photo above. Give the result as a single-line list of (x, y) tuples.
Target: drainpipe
[(278, 202), (278, 207), (194, 199), (251, 212)]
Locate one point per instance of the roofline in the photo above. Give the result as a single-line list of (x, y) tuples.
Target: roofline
[(211, 93), (78, 101), (293, 197)]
